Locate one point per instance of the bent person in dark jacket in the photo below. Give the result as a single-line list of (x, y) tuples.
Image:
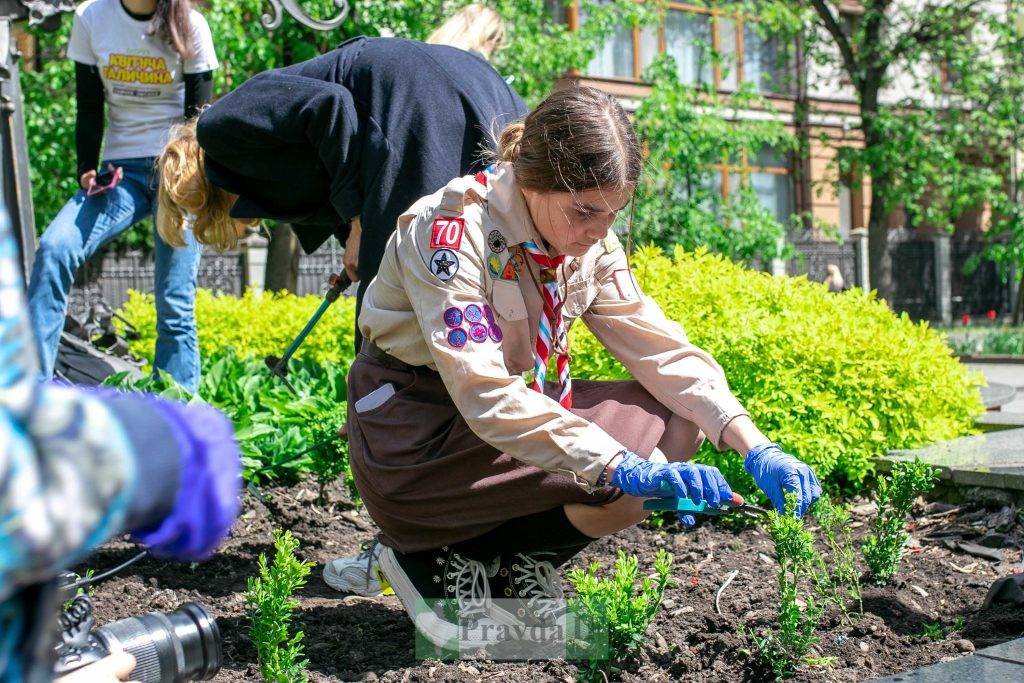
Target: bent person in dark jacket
[(341, 144)]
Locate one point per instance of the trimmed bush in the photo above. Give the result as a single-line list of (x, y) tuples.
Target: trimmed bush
[(835, 379), (255, 325)]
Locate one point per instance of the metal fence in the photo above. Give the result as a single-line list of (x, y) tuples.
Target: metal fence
[(316, 267), (983, 289), (814, 256), (914, 282), (109, 276)]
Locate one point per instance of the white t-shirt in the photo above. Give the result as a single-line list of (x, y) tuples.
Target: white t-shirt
[(142, 76)]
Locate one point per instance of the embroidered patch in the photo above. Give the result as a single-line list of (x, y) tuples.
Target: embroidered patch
[(453, 316), (494, 332), (478, 332), (473, 313), (457, 338), (494, 266), (518, 259), (488, 314), (444, 264), (446, 232), (496, 242), (509, 272)]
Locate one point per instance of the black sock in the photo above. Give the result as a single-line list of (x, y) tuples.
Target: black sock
[(549, 530)]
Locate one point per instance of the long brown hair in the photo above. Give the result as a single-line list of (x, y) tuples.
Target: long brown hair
[(577, 139), (172, 24)]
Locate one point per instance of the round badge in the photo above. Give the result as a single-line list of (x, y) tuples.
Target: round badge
[(496, 242), (453, 317), (494, 332), (488, 314), (444, 264), (457, 338), (473, 313), (478, 332)]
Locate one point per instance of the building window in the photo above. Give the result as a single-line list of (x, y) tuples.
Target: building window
[(691, 35), (766, 173)]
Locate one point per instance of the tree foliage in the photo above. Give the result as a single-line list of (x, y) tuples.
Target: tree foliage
[(687, 131), (538, 51), (935, 86)]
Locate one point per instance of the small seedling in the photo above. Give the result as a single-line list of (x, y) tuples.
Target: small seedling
[(615, 604), (788, 643), (839, 576), (88, 589), (937, 631), (896, 493), (270, 611)]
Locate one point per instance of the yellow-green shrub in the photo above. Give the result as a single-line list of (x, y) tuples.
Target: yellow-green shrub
[(255, 325), (835, 379)]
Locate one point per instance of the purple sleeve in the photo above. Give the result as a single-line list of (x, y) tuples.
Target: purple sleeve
[(207, 502)]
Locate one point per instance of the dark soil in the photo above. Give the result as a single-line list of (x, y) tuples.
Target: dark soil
[(349, 638)]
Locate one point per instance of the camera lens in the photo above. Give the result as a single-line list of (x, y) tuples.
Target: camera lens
[(172, 647)]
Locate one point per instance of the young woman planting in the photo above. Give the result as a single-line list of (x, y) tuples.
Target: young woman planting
[(151, 63), (483, 483)]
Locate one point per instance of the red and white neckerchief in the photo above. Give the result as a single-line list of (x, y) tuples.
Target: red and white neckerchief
[(550, 322)]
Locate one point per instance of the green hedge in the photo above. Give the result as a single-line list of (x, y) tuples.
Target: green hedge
[(836, 379), (987, 340), (255, 325)]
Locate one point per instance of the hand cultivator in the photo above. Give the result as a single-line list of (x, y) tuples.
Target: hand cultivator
[(279, 366)]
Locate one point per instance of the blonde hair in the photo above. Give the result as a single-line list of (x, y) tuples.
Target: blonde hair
[(186, 193), (474, 27)]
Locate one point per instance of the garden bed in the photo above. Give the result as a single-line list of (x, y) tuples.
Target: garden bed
[(353, 638)]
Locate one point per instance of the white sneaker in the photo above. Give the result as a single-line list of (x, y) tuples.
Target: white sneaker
[(359, 574)]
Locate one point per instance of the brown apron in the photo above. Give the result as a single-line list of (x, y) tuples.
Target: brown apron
[(427, 480)]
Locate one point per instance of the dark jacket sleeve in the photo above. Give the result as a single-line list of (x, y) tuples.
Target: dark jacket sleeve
[(274, 127), (89, 116), (198, 92)]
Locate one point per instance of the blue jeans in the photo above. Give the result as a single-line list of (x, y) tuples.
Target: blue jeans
[(83, 226)]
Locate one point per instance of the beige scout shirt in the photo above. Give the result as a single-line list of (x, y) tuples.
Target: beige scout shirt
[(432, 302)]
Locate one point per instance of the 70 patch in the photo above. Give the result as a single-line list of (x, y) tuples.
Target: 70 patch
[(446, 232)]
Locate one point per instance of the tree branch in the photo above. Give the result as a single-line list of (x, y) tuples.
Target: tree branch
[(832, 25)]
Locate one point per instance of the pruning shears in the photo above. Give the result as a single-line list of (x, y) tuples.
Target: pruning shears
[(686, 505)]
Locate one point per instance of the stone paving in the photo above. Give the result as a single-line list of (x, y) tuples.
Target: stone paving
[(1011, 374), (994, 459), (1003, 662)]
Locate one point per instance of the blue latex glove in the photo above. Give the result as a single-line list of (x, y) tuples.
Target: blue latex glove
[(777, 472), (642, 478)]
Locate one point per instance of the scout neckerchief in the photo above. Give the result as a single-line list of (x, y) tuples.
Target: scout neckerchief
[(550, 321)]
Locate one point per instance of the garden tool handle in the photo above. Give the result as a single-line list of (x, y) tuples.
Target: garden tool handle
[(684, 505)]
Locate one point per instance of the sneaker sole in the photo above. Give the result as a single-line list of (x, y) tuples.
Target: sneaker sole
[(346, 584), (435, 629)]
